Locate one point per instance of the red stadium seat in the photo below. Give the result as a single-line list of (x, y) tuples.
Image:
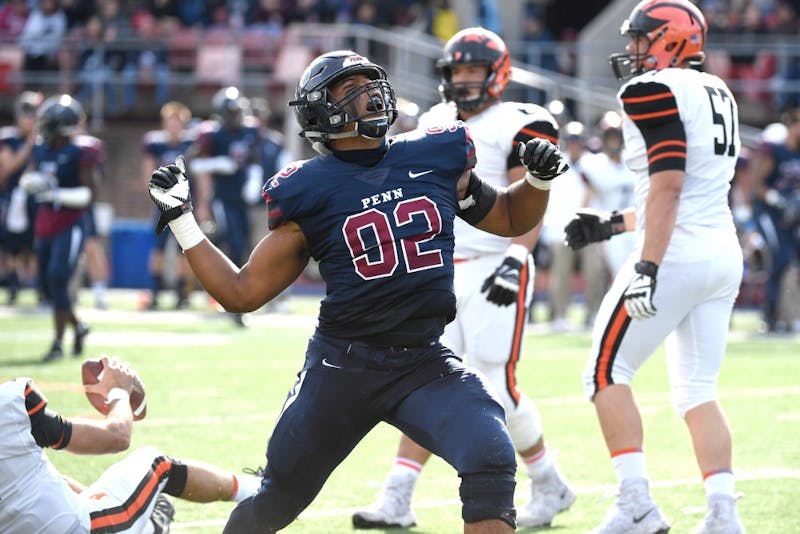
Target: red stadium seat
[(260, 48), (183, 46)]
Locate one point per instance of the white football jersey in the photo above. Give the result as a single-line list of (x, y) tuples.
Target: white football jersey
[(34, 497), (493, 132), (711, 124)]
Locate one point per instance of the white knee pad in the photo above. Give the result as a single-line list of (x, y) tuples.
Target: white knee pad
[(524, 424), (692, 394)]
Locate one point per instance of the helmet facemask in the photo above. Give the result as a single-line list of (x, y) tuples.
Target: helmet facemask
[(459, 93), (328, 119)]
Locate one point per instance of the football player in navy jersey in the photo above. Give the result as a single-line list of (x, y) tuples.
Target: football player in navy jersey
[(17, 210), (680, 282), (227, 155), (378, 214), (60, 177), (776, 207), (161, 147)]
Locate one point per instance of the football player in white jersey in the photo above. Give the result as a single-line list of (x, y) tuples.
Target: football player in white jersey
[(493, 277), (36, 499), (680, 283)]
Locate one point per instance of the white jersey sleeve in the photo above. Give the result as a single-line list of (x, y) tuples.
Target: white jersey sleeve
[(35, 498), (686, 120), (496, 132)]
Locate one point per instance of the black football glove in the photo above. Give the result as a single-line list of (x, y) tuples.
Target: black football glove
[(638, 296), (542, 158), (591, 226), (503, 284), (169, 190)]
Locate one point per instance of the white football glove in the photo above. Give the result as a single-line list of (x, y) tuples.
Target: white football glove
[(35, 182), (169, 190), (638, 296)]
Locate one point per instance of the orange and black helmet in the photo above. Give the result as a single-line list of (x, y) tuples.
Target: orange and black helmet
[(676, 35), (475, 46)]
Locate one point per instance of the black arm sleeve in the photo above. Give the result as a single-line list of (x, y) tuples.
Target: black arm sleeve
[(479, 200), (652, 107), (48, 428)]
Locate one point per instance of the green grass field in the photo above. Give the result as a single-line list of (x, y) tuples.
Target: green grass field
[(214, 391)]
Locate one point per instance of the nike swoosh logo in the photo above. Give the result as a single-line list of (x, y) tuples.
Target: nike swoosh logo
[(412, 174), (639, 519), (326, 363)]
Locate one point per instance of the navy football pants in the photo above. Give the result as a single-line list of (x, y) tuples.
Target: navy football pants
[(344, 390)]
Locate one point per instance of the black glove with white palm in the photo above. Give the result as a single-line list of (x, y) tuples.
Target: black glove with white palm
[(638, 297), (502, 286), (543, 160), (169, 190), (590, 226)]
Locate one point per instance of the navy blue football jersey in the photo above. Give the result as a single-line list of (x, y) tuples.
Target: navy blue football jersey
[(243, 146), (64, 163), (10, 137), (383, 234)]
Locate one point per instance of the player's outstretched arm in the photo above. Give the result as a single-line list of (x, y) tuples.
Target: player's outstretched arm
[(274, 264), (277, 260)]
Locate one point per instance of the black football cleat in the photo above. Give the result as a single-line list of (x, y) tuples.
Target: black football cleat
[(55, 353), (81, 331)]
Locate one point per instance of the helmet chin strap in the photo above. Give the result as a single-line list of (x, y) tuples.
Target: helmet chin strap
[(372, 128)]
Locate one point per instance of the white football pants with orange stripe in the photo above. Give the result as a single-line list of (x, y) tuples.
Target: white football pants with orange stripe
[(124, 496), (489, 337), (694, 301)]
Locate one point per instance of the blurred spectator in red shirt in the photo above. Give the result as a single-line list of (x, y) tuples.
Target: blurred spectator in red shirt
[(12, 18)]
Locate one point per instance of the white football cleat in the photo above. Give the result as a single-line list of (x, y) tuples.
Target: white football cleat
[(550, 495), (721, 517), (634, 512), (393, 508)]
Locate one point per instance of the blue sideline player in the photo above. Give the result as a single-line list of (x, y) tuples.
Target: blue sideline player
[(378, 214)]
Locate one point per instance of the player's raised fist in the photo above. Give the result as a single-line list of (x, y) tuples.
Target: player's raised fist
[(543, 159), (169, 191)]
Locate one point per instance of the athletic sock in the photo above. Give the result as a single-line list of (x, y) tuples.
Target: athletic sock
[(538, 463), (719, 482), (629, 463), (244, 486), (404, 469)]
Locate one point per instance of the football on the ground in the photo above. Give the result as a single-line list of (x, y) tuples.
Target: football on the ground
[(92, 371)]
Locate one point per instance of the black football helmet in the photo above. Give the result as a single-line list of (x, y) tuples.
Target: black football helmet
[(321, 119), (230, 107), (59, 116), (475, 46)]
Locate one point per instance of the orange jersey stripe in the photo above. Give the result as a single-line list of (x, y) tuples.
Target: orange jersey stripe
[(648, 98), (667, 155), (642, 116), (144, 495), (38, 407), (668, 142), (540, 135), (519, 328)]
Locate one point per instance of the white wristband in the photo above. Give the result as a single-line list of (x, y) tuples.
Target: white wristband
[(116, 394), (538, 183), (518, 252), (186, 231)]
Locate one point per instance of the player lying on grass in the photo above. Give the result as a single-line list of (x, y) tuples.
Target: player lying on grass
[(36, 498)]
